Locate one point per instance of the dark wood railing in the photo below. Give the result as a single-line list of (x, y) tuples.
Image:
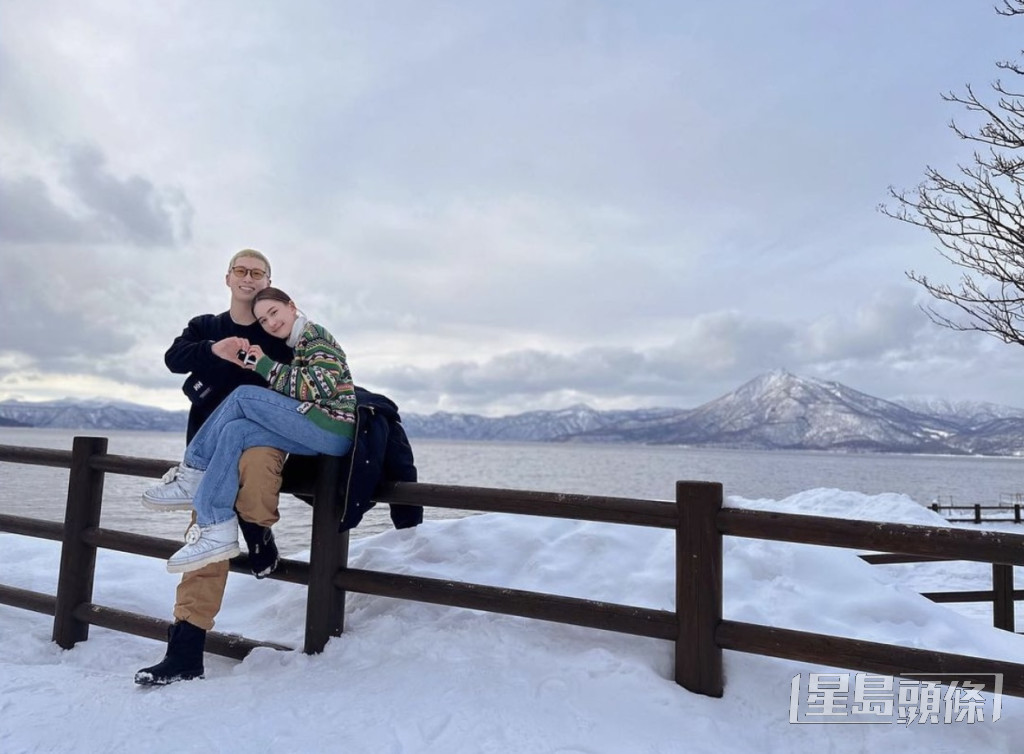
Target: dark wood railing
[(696, 625), (81, 535), (905, 539), (1003, 595)]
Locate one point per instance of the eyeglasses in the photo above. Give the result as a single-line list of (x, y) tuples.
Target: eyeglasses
[(241, 272)]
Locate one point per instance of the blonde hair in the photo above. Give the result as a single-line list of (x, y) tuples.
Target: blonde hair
[(250, 253)]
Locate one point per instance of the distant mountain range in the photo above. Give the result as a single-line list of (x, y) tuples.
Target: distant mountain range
[(68, 413), (777, 410)]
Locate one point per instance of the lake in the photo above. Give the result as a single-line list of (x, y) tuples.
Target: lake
[(639, 471)]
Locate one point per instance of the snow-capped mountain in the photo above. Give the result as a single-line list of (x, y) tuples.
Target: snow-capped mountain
[(782, 411), (530, 426), (777, 410), (68, 413), (962, 413), (999, 437)]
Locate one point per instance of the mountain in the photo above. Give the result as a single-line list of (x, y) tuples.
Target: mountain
[(92, 414), (777, 410), (999, 437), (530, 426), (962, 413)]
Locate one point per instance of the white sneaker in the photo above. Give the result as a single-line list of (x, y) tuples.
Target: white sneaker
[(177, 491), (205, 545)]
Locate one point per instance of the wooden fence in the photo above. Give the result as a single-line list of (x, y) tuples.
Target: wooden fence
[(979, 513), (696, 625), (81, 536), (1003, 595)]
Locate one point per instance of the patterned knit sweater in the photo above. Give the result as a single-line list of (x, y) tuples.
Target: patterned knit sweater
[(318, 377)]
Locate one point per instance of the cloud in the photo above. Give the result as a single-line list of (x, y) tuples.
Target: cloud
[(103, 208), (505, 272), (129, 210), (53, 317), (890, 320), (31, 216), (712, 354), (877, 349), (494, 206)]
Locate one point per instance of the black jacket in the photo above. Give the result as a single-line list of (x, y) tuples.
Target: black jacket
[(380, 454), (212, 378)]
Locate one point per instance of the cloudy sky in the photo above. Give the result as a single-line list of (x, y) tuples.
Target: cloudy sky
[(495, 206)]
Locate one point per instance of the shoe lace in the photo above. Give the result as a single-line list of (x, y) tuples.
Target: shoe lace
[(170, 476)]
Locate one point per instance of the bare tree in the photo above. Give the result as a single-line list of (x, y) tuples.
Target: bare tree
[(977, 212)]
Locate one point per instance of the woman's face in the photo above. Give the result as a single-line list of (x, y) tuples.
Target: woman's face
[(275, 317)]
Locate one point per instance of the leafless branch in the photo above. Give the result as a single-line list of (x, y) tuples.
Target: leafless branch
[(975, 214)]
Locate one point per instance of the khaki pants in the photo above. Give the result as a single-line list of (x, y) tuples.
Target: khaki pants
[(201, 592)]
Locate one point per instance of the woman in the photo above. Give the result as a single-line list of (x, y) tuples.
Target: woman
[(309, 409)]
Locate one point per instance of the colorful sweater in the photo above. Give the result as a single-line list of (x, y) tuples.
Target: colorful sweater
[(318, 377)]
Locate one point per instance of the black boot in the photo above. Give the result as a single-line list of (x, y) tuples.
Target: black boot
[(184, 658), (263, 556)]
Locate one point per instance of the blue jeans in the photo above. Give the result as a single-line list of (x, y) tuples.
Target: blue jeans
[(250, 417)]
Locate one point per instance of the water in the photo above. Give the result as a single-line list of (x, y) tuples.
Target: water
[(615, 470)]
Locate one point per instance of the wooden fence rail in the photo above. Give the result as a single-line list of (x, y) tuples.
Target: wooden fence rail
[(1003, 595), (905, 539), (81, 536), (696, 625)]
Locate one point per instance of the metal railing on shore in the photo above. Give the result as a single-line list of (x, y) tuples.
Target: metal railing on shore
[(980, 514)]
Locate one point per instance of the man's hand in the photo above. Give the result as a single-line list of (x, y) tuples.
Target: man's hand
[(229, 348)]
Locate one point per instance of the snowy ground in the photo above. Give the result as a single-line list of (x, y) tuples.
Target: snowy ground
[(408, 677)]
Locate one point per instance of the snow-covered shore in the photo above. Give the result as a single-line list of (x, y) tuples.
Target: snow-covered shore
[(409, 677)]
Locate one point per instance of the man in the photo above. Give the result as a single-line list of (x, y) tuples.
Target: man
[(205, 350)]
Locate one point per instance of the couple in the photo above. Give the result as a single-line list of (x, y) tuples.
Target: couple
[(264, 381)]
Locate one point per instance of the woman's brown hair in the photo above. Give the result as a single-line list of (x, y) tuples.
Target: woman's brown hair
[(271, 293)]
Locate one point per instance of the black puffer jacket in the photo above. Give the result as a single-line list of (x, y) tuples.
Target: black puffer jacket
[(381, 454)]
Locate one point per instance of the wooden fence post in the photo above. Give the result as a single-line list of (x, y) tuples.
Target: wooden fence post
[(977, 513), (699, 587), (78, 559), (1002, 596), (325, 603)]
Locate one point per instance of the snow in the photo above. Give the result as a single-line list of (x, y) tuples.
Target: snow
[(409, 677)]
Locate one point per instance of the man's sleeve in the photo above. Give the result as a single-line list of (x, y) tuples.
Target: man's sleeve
[(192, 350)]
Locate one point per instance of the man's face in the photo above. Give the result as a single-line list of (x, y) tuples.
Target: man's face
[(241, 278)]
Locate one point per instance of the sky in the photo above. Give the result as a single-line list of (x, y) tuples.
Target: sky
[(495, 207), (416, 678)]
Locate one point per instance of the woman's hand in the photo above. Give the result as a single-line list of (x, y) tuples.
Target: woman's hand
[(252, 355), (230, 348)]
